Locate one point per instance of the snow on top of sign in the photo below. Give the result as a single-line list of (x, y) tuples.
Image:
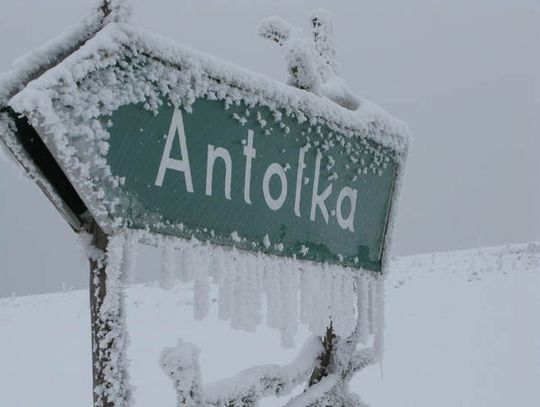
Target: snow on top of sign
[(33, 64), (25, 69), (110, 46)]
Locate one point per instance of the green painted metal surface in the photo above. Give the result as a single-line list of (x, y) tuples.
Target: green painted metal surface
[(270, 206)]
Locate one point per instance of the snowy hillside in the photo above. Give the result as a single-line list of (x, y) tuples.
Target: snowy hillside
[(461, 330)]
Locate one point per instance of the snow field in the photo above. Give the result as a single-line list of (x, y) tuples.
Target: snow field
[(460, 330)]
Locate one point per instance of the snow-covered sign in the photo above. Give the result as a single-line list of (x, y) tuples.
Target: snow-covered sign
[(137, 139), (157, 136)]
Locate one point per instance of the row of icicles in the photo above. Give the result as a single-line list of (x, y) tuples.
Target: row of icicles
[(254, 288)]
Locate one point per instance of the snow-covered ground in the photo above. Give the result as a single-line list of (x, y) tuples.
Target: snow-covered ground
[(461, 330)]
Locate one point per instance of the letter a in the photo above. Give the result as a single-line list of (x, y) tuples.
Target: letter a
[(351, 194), (177, 126)]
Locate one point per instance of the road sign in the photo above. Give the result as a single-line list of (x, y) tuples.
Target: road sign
[(240, 177), (244, 162), (125, 130)]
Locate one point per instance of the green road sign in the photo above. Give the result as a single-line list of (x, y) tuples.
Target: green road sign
[(240, 177), (122, 129), (236, 159)]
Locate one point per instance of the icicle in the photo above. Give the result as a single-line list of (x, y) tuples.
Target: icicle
[(186, 269), (238, 318), (259, 273), (168, 266), (215, 265), (378, 346), (273, 299), (343, 302), (363, 308), (306, 296), (311, 294), (130, 258), (326, 282), (373, 303), (201, 296), (289, 304), (226, 282), (336, 305), (347, 289), (254, 295), (319, 320)]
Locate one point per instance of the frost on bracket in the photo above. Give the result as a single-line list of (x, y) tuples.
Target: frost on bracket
[(181, 365)]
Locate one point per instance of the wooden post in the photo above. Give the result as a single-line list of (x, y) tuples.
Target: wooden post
[(98, 289), (108, 330)]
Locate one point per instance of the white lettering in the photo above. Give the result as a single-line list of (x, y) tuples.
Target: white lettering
[(275, 169), (299, 178), (213, 154), (177, 126), (351, 194), (250, 154), (317, 199)]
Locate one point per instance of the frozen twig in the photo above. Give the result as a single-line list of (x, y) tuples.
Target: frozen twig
[(275, 29), (321, 21), (311, 62), (115, 11)]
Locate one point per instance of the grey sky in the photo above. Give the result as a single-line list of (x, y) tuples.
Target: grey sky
[(464, 74)]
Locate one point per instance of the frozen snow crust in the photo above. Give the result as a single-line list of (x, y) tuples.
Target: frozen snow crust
[(129, 49)]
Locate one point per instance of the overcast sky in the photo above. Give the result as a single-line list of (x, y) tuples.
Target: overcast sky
[(465, 75)]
